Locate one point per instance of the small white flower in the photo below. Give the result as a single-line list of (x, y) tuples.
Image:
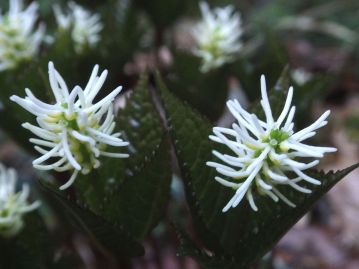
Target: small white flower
[(18, 39), (75, 130), (217, 36), (13, 205), (300, 76), (85, 27), (266, 153)]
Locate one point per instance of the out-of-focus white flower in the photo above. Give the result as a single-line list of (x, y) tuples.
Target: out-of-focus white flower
[(266, 153), (85, 27), (217, 36), (18, 39), (75, 130), (13, 205), (300, 76)]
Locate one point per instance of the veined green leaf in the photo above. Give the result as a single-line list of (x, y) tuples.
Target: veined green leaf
[(187, 247), (106, 235)]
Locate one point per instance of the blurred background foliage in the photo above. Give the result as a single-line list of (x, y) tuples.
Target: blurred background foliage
[(100, 225)]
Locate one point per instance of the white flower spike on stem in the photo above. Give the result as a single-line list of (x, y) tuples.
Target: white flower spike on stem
[(13, 205), (217, 36), (85, 27), (265, 152), (18, 39), (76, 130)]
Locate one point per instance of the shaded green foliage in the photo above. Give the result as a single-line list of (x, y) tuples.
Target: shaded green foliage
[(163, 13), (31, 249), (106, 235), (205, 91)]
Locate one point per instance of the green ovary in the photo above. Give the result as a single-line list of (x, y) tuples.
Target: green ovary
[(212, 45), (275, 138)]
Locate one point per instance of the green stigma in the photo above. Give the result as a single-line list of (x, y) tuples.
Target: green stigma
[(276, 137)]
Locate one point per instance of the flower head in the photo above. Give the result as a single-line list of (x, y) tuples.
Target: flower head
[(13, 205), (217, 36), (76, 130), (85, 27), (301, 76), (18, 39), (266, 153)]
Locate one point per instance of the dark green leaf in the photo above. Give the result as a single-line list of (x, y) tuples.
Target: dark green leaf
[(106, 235), (307, 94), (35, 247), (268, 59), (161, 12), (190, 134), (188, 248), (206, 92), (12, 115), (31, 249)]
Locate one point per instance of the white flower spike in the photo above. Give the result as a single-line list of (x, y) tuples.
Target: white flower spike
[(13, 205), (265, 152), (76, 130), (19, 41), (217, 36), (85, 27)]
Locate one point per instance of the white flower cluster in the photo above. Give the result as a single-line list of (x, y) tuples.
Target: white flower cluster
[(75, 130), (18, 39), (13, 205), (217, 36), (300, 76), (85, 27), (265, 152)]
